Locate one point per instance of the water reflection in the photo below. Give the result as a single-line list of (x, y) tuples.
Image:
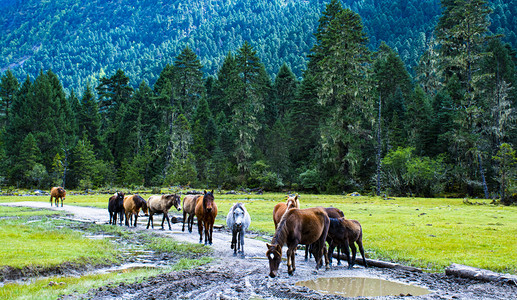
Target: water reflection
[(362, 287)]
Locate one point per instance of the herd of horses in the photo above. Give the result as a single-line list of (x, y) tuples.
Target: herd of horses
[(313, 227)]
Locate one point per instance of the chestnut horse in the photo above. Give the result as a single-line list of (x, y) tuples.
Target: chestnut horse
[(132, 205), (57, 192), (345, 234), (161, 205), (116, 207), (189, 207), (299, 226), (206, 211), (332, 212), (281, 208)]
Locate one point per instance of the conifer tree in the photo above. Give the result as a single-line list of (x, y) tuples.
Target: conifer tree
[(188, 81), (8, 88)]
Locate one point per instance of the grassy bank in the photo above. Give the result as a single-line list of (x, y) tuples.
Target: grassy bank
[(427, 233), (34, 239)]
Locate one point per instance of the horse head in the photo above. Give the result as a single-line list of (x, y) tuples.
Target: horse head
[(238, 215), (292, 202), (208, 201), (274, 255), (143, 204), (173, 199)]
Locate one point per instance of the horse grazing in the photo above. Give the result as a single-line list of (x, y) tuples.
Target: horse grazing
[(132, 205), (299, 226), (332, 212), (116, 207), (161, 205), (238, 220), (189, 207), (206, 211), (281, 208), (345, 233), (57, 192)]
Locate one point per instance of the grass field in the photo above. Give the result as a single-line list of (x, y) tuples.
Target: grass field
[(36, 238), (427, 233)]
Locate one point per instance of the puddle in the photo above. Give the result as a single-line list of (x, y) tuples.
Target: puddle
[(362, 287)]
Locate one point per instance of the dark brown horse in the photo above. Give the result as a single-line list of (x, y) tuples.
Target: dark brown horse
[(132, 206), (57, 192), (161, 205), (116, 207), (189, 208), (299, 226), (206, 211), (282, 207), (347, 233)]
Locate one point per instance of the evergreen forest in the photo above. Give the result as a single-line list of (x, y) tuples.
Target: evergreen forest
[(402, 98)]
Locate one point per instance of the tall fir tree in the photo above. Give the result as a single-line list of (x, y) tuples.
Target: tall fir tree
[(8, 88)]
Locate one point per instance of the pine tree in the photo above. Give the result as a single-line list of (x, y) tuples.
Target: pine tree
[(342, 74), (8, 88), (284, 92), (188, 81)]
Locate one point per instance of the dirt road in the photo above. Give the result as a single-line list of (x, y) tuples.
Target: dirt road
[(230, 277)]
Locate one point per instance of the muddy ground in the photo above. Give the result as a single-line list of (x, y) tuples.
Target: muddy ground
[(229, 277)]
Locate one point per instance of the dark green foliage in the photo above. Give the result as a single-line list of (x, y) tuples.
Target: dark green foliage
[(215, 118)]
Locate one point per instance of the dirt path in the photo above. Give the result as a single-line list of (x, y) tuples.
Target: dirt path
[(230, 277)]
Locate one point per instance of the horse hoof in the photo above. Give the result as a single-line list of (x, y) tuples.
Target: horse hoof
[(315, 272), (234, 254)]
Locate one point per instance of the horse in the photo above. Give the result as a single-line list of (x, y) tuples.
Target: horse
[(281, 208), (206, 211), (189, 207), (162, 204), (132, 205), (332, 212), (345, 233), (116, 207), (238, 220), (57, 192), (298, 226)]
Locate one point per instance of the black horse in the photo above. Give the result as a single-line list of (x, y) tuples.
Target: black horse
[(116, 207)]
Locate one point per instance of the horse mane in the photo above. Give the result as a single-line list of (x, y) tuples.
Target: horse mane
[(281, 232)]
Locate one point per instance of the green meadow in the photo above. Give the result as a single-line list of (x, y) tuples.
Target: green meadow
[(38, 239), (430, 233)]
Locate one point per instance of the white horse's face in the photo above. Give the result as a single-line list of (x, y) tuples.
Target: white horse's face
[(238, 217)]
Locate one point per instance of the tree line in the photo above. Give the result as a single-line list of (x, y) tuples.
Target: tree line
[(356, 121)]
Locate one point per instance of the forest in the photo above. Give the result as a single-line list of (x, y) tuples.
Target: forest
[(351, 117)]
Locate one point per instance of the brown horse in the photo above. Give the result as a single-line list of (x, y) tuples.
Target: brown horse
[(161, 205), (206, 211), (299, 226), (345, 233), (189, 207), (282, 207), (132, 205), (116, 207), (57, 192), (332, 212)]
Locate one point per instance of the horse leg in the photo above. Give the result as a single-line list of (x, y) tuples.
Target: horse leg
[(347, 253), (234, 242), (136, 217), (184, 216), (290, 260), (354, 252), (190, 222), (331, 251), (62, 202), (209, 229), (200, 230), (242, 233), (127, 219), (150, 221), (50, 201), (121, 216), (166, 215), (361, 249)]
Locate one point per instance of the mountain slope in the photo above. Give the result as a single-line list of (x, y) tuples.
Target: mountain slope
[(81, 41)]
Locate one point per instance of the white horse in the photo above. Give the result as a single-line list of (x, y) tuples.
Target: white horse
[(238, 220)]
